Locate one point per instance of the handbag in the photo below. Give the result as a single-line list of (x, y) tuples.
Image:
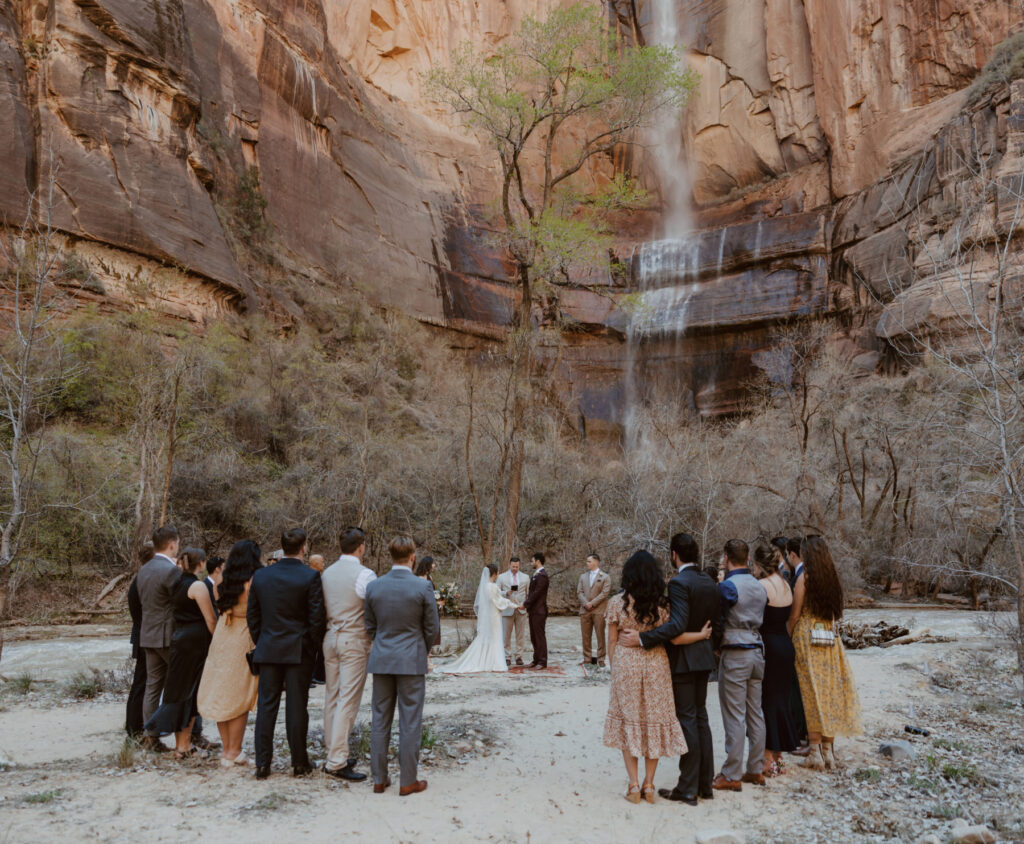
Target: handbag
[(254, 667), (822, 636)]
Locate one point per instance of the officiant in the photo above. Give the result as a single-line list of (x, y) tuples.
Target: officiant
[(513, 586)]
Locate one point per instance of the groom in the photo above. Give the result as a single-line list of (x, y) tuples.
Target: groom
[(693, 601), (401, 619)]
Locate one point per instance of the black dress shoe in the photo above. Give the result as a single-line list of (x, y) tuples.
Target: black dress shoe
[(675, 796), (262, 773), (707, 795), (349, 772), (302, 770)]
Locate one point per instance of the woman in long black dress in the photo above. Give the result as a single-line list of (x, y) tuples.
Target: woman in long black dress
[(779, 662), (194, 622)]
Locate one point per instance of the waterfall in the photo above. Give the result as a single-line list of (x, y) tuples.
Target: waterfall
[(665, 271)]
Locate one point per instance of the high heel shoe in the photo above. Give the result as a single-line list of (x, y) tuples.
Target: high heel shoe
[(814, 761), (633, 793), (648, 791)]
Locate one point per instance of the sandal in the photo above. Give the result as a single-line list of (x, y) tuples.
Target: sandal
[(648, 791), (633, 793), (771, 769)]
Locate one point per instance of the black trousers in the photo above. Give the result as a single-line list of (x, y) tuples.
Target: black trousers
[(294, 680), (133, 714), (538, 638), (697, 766), (136, 696)]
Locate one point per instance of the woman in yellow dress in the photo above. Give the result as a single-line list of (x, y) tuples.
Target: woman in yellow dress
[(227, 692), (826, 683)]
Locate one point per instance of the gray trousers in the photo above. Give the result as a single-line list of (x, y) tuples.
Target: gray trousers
[(157, 660), (739, 691), (408, 692)]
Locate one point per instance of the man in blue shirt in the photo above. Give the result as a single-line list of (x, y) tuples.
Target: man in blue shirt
[(741, 670)]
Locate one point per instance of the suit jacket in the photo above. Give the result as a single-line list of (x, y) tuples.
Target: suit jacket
[(505, 585), (213, 598), (286, 612), (400, 614), (156, 582), (135, 611), (537, 598), (596, 594), (693, 600)]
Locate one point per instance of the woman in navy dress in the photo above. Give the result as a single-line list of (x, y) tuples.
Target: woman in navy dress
[(779, 662)]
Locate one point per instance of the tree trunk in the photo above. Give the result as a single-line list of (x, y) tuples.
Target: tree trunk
[(515, 488)]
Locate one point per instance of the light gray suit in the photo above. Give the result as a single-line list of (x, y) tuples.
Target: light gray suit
[(401, 617), (156, 582)]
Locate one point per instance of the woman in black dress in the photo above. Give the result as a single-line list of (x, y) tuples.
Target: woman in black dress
[(779, 662), (194, 622)]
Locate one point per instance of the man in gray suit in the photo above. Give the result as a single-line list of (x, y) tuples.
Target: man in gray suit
[(155, 582), (401, 618)]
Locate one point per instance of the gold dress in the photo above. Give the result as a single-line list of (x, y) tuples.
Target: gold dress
[(641, 716), (827, 689), (228, 689)]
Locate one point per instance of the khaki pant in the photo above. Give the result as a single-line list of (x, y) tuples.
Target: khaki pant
[(345, 658), (517, 621), (592, 622)]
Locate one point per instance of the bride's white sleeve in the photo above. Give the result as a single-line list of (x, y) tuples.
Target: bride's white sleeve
[(497, 600)]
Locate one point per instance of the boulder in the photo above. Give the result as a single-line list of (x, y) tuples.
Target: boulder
[(719, 836), (964, 833), (898, 751)]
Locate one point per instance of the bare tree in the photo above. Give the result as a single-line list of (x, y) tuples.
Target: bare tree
[(34, 273), (964, 310)]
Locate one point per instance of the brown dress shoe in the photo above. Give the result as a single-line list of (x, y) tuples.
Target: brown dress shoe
[(755, 779), (722, 784), (378, 787), (415, 788)]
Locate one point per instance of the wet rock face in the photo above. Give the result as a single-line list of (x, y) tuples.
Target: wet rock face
[(826, 141)]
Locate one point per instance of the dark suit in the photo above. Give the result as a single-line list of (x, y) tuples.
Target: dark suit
[(536, 604), (133, 716), (286, 620), (694, 600)]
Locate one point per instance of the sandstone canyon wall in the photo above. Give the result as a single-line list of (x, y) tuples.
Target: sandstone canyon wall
[(819, 130)]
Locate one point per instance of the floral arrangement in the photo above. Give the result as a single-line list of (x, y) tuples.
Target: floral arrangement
[(449, 593)]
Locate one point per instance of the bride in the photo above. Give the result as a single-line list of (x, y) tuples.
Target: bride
[(487, 651)]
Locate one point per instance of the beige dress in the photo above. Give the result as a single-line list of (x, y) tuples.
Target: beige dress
[(641, 710), (228, 689)]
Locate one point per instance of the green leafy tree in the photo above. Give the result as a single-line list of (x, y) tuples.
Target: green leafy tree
[(551, 100)]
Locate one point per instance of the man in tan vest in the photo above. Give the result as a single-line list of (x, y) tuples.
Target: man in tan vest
[(346, 651), (593, 590)]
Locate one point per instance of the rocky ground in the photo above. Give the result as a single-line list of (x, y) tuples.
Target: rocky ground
[(519, 757)]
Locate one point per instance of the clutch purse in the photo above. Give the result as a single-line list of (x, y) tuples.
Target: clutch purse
[(822, 636), (254, 667)]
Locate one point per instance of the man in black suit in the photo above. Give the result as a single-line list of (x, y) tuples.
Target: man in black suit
[(133, 715), (693, 601), (536, 605), (286, 621)]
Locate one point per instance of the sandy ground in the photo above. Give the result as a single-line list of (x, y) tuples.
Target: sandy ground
[(534, 770)]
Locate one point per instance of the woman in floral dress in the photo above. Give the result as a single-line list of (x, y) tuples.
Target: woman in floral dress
[(641, 719)]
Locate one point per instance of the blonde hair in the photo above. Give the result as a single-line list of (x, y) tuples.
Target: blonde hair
[(401, 548)]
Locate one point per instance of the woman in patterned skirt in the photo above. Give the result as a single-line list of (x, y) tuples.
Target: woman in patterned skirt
[(641, 719), (829, 695)]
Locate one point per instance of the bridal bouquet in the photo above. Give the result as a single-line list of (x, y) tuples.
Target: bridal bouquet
[(449, 593)]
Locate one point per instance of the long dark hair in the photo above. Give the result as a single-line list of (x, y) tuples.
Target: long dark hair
[(424, 565), (643, 586), (242, 562), (824, 595)]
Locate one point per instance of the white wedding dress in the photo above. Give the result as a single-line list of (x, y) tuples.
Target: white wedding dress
[(487, 650)]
